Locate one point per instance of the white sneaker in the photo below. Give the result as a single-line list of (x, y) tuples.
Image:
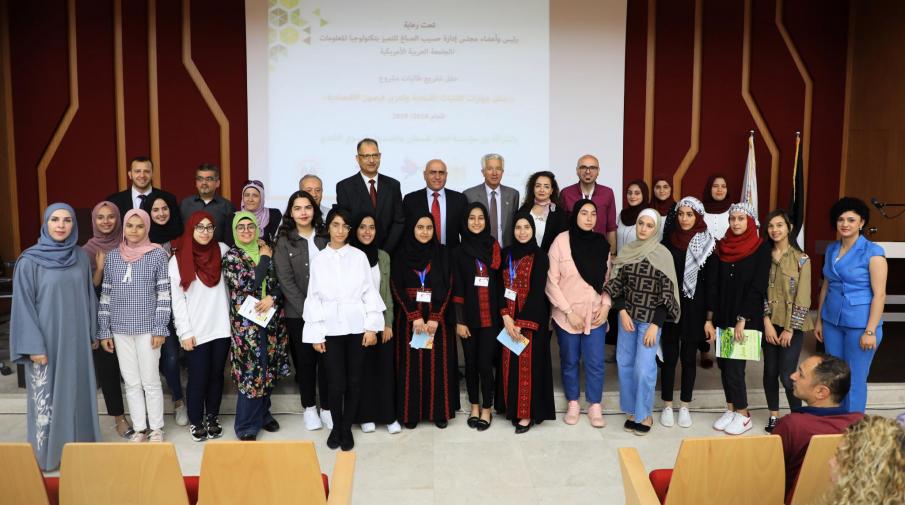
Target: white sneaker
[(724, 420), (394, 428), (327, 419), (684, 417), (368, 427), (156, 436), (182, 415), (666, 417), (312, 420), (739, 425), (138, 437)]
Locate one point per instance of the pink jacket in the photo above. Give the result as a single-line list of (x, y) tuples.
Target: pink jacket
[(568, 291)]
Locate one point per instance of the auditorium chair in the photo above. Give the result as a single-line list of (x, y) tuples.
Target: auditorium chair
[(284, 472), (20, 478), (117, 473), (814, 476), (714, 470)]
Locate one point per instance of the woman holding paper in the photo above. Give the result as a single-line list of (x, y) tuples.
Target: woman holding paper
[(343, 314), (426, 384), (785, 313), (578, 264), (476, 266), (736, 290), (526, 379), (259, 353), (645, 293), (201, 315)]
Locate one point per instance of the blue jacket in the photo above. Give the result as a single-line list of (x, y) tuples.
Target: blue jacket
[(849, 293)]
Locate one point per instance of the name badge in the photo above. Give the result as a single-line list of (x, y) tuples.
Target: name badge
[(509, 294), (423, 296), (482, 281)]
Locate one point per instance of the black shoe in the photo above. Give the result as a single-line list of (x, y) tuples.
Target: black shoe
[(641, 429), (771, 424), (214, 430), (271, 425), (410, 426), (248, 437), (473, 421), (483, 425), (199, 433), (629, 426), (346, 441), (519, 429), (333, 441), (441, 423)]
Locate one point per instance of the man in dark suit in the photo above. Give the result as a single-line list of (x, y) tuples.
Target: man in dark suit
[(140, 194), (447, 206), (501, 201), (368, 190)]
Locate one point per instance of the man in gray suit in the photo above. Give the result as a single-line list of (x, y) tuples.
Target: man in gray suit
[(501, 201)]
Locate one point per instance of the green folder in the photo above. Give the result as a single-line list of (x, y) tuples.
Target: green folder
[(748, 349)]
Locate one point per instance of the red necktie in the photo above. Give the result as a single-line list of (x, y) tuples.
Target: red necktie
[(373, 193), (435, 211)]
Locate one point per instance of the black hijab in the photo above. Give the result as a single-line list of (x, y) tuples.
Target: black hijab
[(629, 214), (370, 250), (163, 233), (414, 255), (477, 245), (590, 250), (519, 250)]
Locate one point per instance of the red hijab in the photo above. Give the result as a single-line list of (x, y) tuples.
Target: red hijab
[(662, 206), (732, 247), (195, 259), (712, 206), (680, 238)]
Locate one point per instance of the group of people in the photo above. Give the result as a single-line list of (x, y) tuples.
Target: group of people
[(368, 298)]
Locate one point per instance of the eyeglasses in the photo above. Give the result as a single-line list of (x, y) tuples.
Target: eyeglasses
[(246, 227), (204, 229), (369, 157), (340, 226), (199, 178), (588, 168)]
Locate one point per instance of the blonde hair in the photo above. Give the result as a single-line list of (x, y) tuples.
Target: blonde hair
[(871, 464)]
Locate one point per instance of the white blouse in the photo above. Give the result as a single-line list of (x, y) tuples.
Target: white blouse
[(540, 226), (342, 299), (717, 224), (201, 312), (624, 235)]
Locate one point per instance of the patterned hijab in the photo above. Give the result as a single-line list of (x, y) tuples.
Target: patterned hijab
[(649, 249), (252, 249), (133, 252), (104, 242), (732, 247), (48, 252), (698, 244)]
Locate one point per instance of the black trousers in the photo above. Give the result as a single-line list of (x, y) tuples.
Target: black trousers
[(310, 367), (205, 385), (345, 358), (106, 368), (480, 350), (676, 346), (780, 363), (732, 374)]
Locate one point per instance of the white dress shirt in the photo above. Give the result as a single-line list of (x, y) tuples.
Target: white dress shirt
[(499, 209), (441, 199), (342, 299), (201, 312), (136, 201), (367, 184)]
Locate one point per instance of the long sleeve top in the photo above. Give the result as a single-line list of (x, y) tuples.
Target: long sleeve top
[(567, 290), (530, 310), (738, 289), (135, 298), (292, 256), (342, 299), (644, 292), (201, 312), (476, 306), (788, 299), (382, 282)]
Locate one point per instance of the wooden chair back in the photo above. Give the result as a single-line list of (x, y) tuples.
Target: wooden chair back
[(21, 480), (814, 476), (737, 470), (121, 473), (635, 482), (269, 472)]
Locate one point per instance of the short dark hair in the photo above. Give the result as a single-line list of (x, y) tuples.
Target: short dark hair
[(785, 217), (835, 374), (366, 141), (208, 167), (141, 159), (335, 212), (849, 203)]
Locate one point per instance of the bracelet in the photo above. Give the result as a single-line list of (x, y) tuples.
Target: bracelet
[(567, 312), (869, 333)]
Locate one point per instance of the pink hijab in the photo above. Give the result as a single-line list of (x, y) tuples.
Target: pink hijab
[(132, 253), (101, 241), (262, 215)]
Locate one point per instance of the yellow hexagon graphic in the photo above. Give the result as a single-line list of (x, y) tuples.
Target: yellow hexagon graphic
[(295, 17), (271, 35), (289, 35), (278, 17), (289, 4)]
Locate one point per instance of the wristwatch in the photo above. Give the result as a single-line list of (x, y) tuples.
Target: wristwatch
[(869, 333), (739, 319)]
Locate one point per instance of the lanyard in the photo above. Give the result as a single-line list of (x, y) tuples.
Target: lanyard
[(512, 270), (422, 274), (480, 266)]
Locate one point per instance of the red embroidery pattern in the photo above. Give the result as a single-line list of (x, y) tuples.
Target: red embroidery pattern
[(521, 284), (483, 297)]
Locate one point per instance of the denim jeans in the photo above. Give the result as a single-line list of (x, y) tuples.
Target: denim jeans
[(637, 366), (572, 348)]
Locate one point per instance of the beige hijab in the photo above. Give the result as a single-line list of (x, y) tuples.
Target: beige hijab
[(650, 249)]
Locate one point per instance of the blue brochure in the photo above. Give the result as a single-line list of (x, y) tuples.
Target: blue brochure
[(516, 346)]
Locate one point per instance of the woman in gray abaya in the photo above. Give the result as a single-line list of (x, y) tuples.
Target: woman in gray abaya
[(52, 330)]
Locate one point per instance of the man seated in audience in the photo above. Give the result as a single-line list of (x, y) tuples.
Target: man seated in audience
[(822, 381)]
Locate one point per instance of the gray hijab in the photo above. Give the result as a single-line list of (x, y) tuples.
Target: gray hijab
[(52, 254)]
